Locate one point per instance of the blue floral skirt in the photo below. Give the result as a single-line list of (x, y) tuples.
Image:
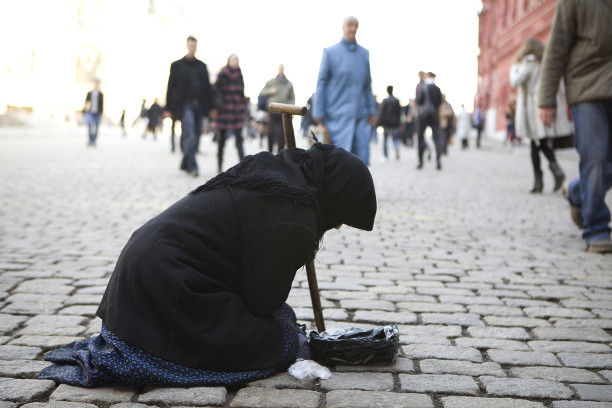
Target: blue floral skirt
[(107, 359)]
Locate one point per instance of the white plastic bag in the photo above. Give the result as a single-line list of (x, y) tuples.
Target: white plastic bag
[(302, 369)]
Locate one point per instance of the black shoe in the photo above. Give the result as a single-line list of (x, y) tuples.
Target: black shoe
[(439, 166), (538, 186), (420, 166), (558, 175)]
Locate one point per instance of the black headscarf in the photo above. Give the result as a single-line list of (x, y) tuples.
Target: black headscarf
[(333, 181)]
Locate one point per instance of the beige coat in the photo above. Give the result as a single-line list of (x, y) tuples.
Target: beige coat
[(525, 77)]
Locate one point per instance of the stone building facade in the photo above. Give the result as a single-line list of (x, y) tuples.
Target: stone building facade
[(503, 27)]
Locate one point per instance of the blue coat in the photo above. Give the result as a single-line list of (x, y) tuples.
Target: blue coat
[(343, 98)]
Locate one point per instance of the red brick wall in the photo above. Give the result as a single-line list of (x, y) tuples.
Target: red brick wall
[(503, 27)]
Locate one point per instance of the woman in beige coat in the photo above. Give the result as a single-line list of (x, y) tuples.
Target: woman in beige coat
[(525, 77)]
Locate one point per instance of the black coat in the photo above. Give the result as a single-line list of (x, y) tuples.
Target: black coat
[(87, 107), (197, 285), (179, 84), (435, 95), (390, 113)]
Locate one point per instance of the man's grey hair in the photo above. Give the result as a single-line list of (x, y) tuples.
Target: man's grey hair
[(350, 19)]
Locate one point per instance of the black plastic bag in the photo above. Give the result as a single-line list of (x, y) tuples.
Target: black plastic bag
[(355, 346)]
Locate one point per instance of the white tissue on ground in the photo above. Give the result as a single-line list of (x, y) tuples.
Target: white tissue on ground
[(302, 369)]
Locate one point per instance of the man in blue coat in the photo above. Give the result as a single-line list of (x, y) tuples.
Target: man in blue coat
[(343, 100)]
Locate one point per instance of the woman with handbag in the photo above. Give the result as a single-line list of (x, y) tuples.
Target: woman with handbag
[(525, 77), (230, 100)]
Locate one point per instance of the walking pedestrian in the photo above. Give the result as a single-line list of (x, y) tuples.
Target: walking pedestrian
[(197, 297), (231, 103), (343, 102), (389, 118), (479, 124), (277, 90), (447, 124), (93, 109), (464, 127), (154, 116), (428, 100), (580, 50), (189, 99), (525, 76)]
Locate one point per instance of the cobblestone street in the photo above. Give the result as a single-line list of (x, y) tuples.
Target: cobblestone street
[(497, 302)]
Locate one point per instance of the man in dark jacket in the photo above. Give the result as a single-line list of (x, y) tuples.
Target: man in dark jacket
[(189, 98), (389, 118), (94, 107), (428, 100)]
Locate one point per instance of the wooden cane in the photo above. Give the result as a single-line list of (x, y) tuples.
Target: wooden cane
[(313, 286)]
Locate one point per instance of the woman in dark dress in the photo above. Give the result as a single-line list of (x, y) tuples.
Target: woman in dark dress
[(229, 88), (198, 294)]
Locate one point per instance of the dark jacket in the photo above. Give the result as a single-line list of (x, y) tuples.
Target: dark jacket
[(435, 95), (87, 107), (579, 50), (198, 284), (390, 113), (179, 86)]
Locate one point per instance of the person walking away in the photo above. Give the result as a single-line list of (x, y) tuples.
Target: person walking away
[(447, 124), (478, 124), (93, 109), (229, 88), (389, 118), (580, 50), (154, 114), (343, 102), (525, 76), (428, 100), (278, 90), (189, 99), (464, 127)]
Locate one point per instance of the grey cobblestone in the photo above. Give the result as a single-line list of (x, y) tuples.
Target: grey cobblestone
[(431, 383), (373, 399), (185, 396), (401, 365), (594, 392), (511, 357), (359, 381), (481, 343), (19, 390), (514, 333), (271, 397), (477, 402), (421, 351), (581, 404), (100, 395), (569, 346), (431, 366), (586, 360), (561, 374), (554, 333), (525, 388)]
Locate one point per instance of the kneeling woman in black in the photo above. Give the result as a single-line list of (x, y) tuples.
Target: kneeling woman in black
[(198, 293)]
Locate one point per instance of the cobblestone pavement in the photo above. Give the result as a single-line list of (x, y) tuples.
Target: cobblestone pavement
[(497, 302)]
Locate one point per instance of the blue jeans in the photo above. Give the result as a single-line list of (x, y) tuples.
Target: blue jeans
[(93, 123), (394, 132), (191, 127), (593, 136)]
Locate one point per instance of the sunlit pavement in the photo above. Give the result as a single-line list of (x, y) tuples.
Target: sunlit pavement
[(496, 300)]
